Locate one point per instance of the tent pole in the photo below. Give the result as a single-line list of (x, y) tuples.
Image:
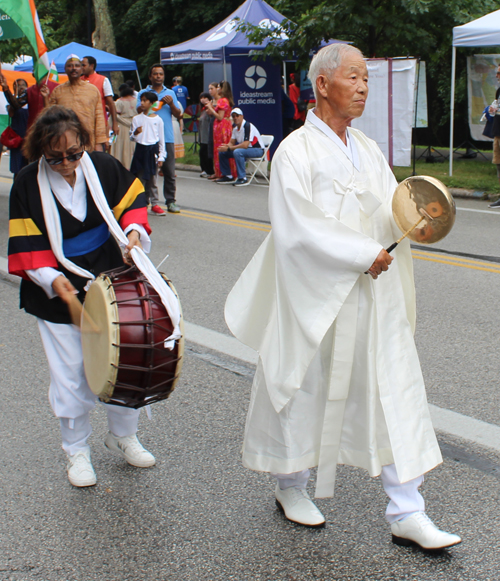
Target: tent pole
[(284, 78), (224, 57), (452, 105), (139, 79)]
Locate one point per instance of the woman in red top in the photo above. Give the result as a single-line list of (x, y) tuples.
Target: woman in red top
[(223, 127)]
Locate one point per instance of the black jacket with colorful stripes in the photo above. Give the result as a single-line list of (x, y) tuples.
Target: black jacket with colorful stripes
[(29, 245)]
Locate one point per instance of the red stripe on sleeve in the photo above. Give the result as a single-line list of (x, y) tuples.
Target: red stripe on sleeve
[(22, 261), (136, 216)]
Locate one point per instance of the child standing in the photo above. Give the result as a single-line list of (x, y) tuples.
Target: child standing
[(148, 133)]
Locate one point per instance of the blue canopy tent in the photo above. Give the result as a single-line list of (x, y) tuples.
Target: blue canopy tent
[(106, 62), (218, 42)]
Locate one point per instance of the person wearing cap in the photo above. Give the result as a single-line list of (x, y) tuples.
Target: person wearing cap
[(244, 143), (84, 99)]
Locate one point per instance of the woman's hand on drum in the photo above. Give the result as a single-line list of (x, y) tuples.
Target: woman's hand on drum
[(64, 289), (134, 239)]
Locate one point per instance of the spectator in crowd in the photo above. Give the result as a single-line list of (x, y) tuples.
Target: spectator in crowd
[(213, 90), (149, 135), (244, 143), (131, 84), (223, 127), (34, 98), (123, 147), (181, 92), (18, 113), (287, 113), (84, 99), (178, 140), (206, 162), (300, 105), (103, 84), (168, 106)]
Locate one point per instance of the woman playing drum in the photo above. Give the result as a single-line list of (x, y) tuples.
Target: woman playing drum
[(51, 195)]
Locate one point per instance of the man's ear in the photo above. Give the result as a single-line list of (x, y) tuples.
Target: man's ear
[(322, 85)]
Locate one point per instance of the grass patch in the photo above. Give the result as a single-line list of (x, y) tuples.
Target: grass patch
[(189, 157), (471, 174)]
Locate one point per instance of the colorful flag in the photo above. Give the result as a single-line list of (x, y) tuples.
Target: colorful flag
[(157, 106), (53, 74), (24, 14)]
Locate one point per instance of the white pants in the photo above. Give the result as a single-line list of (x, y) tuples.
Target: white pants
[(69, 394), (405, 498)]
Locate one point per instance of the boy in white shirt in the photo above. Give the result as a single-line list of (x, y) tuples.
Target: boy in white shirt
[(148, 132)]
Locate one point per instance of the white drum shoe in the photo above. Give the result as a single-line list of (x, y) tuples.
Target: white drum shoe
[(420, 530), (298, 507), (80, 470), (131, 449)]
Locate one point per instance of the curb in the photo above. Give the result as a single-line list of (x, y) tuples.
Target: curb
[(188, 167)]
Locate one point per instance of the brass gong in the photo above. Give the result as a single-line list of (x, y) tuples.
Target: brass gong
[(423, 209)]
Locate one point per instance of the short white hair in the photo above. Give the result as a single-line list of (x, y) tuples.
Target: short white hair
[(326, 60)]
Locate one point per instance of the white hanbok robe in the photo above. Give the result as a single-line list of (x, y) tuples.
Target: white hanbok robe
[(338, 378)]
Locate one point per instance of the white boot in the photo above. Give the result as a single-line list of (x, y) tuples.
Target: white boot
[(80, 470), (131, 449)]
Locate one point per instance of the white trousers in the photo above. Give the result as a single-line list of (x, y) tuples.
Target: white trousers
[(405, 499), (69, 394)]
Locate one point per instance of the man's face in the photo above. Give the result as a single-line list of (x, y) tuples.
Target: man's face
[(87, 68), (157, 76), (347, 89), (237, 119), (73, 69), (498, 75)]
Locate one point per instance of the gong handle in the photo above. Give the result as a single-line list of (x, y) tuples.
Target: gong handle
[(394, 244)]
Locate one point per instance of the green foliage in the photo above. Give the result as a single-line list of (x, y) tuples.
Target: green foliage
[(387, 28)]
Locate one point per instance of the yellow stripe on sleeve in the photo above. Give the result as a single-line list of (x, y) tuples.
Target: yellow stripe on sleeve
[(128, 199), (23, 227)]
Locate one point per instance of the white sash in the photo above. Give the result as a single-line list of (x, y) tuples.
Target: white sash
[(54, 230)]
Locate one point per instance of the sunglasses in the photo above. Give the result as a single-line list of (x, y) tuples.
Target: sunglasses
[(70, 158)]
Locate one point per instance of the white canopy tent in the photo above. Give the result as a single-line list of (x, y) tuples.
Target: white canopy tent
[(484, 31)]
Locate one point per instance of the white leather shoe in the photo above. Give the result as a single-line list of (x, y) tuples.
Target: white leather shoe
[(80, 470), (298, 507), (420, 530), (131, 449)]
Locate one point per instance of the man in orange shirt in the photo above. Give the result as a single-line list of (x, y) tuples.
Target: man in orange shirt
[(89, 65)]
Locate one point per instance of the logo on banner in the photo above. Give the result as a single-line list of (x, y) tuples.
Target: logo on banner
[(222, 31), (255, 77), (274, 26)]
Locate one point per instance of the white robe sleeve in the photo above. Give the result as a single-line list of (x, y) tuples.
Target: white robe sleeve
[(291, 292)]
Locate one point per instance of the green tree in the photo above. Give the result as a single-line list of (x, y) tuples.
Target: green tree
[(381, 28)]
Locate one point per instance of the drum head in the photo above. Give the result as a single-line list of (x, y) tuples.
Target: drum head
[(101, 351), (426, 196)]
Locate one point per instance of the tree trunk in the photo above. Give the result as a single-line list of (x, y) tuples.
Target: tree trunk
[(104, 36)]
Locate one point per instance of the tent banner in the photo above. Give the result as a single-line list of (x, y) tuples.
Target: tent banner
[(421, 96), (257, 91), (481, 88), (190, 56), (8, 28)]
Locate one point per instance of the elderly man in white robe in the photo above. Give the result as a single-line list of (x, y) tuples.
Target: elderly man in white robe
[(332, 316)]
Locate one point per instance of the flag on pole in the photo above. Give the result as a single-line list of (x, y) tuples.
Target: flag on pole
[(53, 74), (24, 14)]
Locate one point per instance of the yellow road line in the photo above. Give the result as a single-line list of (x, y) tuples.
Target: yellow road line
[(227, 221), (450, 257), (418, 254), (6, 180)]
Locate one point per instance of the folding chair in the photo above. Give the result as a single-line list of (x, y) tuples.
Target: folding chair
[(259, 164)]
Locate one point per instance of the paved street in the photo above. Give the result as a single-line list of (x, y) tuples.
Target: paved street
[(198, 514)]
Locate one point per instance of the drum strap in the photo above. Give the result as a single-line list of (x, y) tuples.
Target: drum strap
[(53, 223)]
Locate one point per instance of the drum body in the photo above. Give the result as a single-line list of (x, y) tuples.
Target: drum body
[(124, 327)]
